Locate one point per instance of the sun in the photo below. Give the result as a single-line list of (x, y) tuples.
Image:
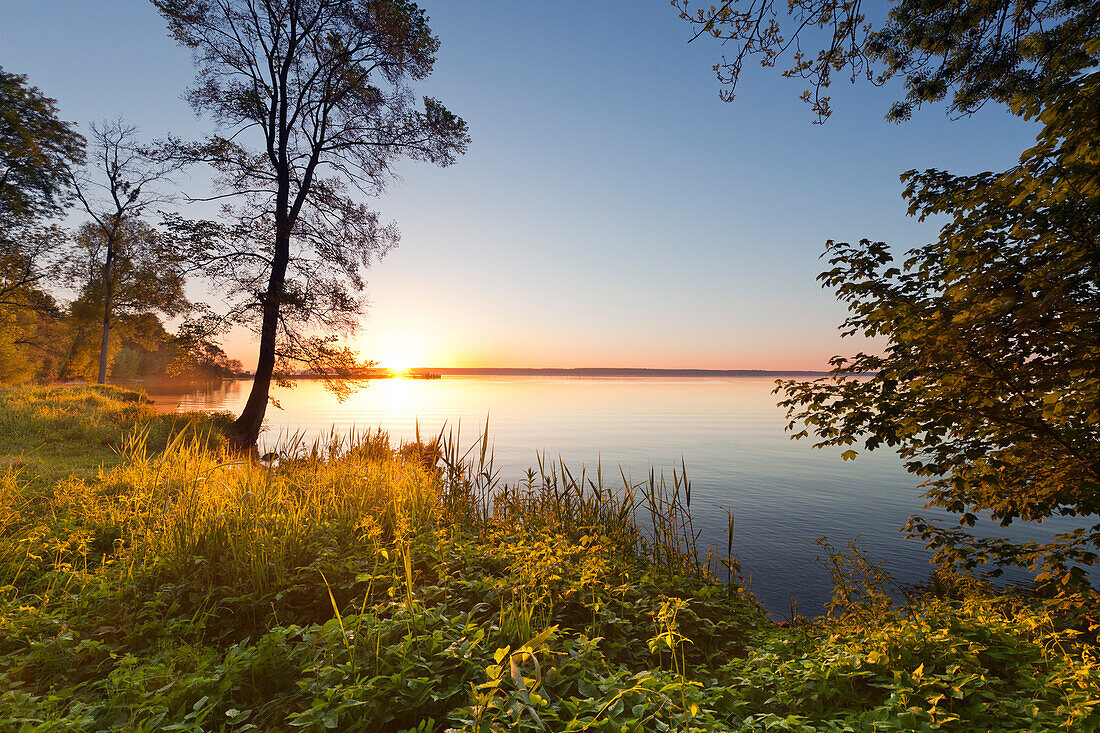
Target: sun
[(398, 361), (397, 353)]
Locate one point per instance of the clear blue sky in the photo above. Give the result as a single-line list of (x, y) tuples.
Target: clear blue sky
[(611, 210)]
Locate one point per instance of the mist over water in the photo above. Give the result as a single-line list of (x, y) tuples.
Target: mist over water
[(727, 431)]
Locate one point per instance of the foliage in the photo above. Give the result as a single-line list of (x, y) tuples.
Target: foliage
[(139, 349), (36, 148), (197, 356), (120, 261), (973, 52), (990, 380), (313, 97), (30, 258), (43, 342), (31, 331), (143, 280), (347, 585), (977, 664)]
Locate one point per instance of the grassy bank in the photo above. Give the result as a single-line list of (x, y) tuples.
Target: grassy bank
[(150, 581)]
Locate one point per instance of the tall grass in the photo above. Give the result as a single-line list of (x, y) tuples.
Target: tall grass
[(259, 534), (85, 416), (190, 512), (50, 433), (252, 516)]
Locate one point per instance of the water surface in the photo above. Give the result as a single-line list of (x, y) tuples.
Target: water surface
[(728, 431)]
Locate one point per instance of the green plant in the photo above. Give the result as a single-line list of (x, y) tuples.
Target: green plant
[(342, 585)]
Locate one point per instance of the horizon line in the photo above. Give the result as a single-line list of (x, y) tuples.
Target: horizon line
[(619, 370)]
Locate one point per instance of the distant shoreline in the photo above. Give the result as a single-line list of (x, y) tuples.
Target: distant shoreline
[(613, 372), (436, 372)]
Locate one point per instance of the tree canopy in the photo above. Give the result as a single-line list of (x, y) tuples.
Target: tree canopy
[(989, 386), (145, 277), (36, 150), (969, 52)]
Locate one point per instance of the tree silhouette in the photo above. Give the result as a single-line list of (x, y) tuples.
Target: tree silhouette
[(989, 386), (972, 51), (313, 98)]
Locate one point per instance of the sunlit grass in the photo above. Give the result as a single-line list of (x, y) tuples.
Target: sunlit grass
[(52, 432)]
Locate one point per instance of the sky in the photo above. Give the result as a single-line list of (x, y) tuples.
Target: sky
[(611, 211)]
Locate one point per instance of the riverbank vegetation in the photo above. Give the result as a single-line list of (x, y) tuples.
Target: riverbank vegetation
[(150, 580)]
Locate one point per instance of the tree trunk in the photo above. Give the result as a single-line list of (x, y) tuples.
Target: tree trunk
[(105, 343), (64, 374), (246, 429)]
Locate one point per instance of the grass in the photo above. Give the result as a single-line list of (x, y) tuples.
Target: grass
[(50, 433), (151, 581)]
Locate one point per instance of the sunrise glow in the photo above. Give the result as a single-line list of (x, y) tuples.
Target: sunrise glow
[(398, 361)]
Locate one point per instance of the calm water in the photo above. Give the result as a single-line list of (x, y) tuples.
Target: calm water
[(728, 431)]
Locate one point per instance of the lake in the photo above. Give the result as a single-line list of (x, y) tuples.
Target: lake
[(728, 431)]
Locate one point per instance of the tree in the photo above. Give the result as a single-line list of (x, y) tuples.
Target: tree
[(969, 50), (321, 88), (121, 183), (126, 275), (990, 380), (36, 151), (989, 386)]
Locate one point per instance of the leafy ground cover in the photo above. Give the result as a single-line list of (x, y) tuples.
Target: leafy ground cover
[(151, 581)]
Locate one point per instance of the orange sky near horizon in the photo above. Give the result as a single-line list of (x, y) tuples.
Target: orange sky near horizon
[(427, 334)]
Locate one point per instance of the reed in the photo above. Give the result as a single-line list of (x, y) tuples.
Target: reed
[(179, 505), (651, 519)]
